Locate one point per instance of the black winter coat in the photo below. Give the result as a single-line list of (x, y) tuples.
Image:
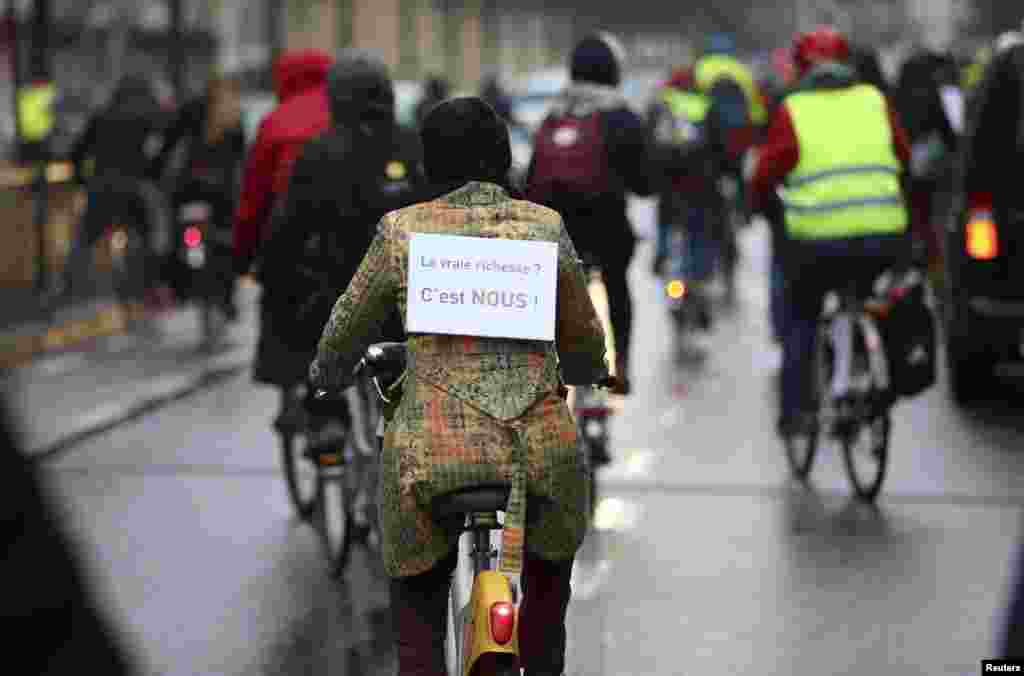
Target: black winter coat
[(341, 186), (117, 140)]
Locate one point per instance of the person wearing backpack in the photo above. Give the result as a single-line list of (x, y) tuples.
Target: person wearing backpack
[(589, 153)]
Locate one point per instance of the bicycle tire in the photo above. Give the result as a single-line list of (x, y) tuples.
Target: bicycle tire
[(302, 503), (500, 664), (208, 324), (128, 275), (592, 479), (868, 490), (335, 521), (801, 466)]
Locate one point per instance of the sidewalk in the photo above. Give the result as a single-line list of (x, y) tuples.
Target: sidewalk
[(112, 374), (28, 332)]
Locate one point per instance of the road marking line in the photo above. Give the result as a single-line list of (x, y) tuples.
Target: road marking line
[(108, 416), (98, 415)]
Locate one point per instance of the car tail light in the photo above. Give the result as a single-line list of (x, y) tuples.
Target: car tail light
[(193, 237), (503, 622), (675, 289), (596, 411), (982, 236)]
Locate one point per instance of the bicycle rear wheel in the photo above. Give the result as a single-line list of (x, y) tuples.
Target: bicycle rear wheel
[(866, 456)]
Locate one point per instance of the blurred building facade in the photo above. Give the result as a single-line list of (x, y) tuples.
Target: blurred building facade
[(89, 44)]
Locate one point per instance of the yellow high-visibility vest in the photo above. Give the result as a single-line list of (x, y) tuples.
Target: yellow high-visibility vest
[(714, 67), (690, 105), (847, 181), (35, 111)]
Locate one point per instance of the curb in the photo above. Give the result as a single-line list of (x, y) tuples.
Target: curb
[(20, 350), (107, 417)]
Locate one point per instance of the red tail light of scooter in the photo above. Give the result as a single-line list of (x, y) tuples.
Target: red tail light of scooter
[(193, 237), (503, 622)]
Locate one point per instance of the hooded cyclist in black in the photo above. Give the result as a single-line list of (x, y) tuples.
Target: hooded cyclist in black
[(343, 183)]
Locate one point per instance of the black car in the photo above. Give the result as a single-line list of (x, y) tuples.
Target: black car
[(985, 245)]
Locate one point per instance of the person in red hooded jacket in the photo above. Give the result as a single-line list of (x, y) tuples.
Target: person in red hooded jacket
[(300, 81)]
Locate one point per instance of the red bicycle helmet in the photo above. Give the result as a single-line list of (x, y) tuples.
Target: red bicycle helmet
[(820, 45), (682, 78)]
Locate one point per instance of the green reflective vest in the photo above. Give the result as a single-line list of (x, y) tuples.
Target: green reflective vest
[(712, 68), (690, 105), (35, 111), (688, 112), (847, 181)]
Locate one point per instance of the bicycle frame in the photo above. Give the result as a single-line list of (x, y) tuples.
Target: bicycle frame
[(838, 325), (485, 623)]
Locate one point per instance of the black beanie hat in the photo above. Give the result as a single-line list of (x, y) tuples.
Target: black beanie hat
[(358, 84), (594, 60), (465, 140)]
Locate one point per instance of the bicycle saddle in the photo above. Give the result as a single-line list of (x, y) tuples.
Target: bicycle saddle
[(470, 500)]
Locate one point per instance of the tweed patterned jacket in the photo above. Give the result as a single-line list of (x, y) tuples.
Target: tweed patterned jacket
[(473, 411)]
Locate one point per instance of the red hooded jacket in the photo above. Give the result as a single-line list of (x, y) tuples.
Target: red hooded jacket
[(300, 81)]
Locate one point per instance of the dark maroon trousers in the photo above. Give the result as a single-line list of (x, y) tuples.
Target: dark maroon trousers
[(419, 607)]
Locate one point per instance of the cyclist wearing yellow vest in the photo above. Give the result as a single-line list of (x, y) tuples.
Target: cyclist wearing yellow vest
[(836, 155), (719, 66), (719, 61)]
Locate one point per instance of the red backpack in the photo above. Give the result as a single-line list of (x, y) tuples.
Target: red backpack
[(570, 161)]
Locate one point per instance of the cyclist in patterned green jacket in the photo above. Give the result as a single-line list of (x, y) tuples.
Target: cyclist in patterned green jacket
[(474, 411)]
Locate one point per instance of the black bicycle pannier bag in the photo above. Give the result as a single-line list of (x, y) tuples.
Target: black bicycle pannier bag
[(907, 329)]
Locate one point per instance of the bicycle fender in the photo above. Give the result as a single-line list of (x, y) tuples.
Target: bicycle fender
[(489, 588)]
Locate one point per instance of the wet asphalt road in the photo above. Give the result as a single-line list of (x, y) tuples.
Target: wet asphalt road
[(706, 560)]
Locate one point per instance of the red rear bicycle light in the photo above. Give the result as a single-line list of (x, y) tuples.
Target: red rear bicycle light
[(193, 237), (503, 622), (982, 237)]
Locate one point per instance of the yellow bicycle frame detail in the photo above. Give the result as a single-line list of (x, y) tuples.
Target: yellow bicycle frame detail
[(490, 587)]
